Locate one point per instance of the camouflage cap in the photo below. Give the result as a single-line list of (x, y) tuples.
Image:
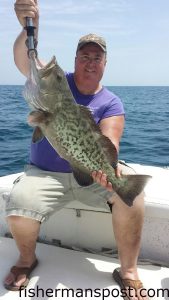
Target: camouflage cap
[(92, 38)]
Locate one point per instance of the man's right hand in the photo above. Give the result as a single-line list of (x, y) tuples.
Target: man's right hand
[(23, 9), (27, 8), (101, 178)]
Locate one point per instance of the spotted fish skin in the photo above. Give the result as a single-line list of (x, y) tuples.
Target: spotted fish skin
[(72, 132)]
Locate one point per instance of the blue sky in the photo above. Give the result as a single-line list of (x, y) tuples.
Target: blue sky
[(136, 31)]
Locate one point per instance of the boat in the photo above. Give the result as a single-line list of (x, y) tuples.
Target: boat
[(77, 256)]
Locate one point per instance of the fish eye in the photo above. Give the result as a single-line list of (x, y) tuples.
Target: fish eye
[(59, 77)]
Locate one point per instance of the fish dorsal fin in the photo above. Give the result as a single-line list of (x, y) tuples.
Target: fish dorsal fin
[(110, 150), (105, 142)]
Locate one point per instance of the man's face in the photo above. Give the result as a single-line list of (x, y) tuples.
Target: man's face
[(90, 64)]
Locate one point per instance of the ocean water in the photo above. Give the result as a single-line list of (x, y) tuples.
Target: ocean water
[(145, 139)]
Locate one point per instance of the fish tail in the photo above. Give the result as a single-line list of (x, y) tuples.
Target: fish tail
[(134, 185)]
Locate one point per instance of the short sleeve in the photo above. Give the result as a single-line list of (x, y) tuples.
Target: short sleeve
[(115, 108)]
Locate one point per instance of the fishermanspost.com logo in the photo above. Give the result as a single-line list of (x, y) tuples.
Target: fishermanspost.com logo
[(97, 293)]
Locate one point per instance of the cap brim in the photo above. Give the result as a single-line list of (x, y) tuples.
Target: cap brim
[(89, 42)]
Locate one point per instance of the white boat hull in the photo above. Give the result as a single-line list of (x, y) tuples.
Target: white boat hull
[(85, 227), (66, 274)]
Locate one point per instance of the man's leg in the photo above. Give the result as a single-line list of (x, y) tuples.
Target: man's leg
[(25, 232), (35, 196), (127, 225)]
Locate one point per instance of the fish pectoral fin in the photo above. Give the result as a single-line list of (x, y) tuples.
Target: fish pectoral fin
[(37, 135), (82, 178), (38, 116)]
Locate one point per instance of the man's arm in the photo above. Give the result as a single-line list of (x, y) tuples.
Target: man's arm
[(23, 9), (112, 127)]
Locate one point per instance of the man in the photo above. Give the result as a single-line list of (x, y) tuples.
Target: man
[(27, 209)]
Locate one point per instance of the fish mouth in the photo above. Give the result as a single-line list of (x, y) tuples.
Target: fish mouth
[(34, 58), (32, 92)]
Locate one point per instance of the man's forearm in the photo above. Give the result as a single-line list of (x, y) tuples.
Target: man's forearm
[(20, 53)]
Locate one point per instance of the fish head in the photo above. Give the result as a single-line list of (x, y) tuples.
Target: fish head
[(51, 79), (47, 86)]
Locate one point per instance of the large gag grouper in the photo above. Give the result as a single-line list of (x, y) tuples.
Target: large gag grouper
[(72, 132)]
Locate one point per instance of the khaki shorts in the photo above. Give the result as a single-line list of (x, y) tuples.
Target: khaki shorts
[(37, 194)]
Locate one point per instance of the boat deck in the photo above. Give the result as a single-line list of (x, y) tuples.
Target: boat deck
[(81, 272)]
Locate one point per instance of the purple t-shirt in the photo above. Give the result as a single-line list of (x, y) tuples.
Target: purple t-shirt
[(102, 105)]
